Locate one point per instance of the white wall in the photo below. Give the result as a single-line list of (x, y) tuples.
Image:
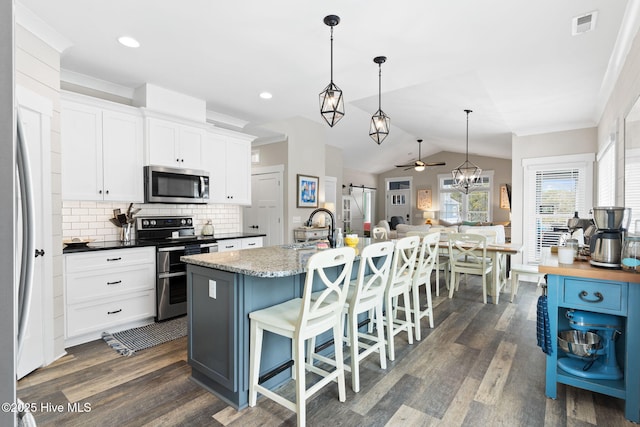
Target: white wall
[(306, 155), (625, 93), (38, 69)]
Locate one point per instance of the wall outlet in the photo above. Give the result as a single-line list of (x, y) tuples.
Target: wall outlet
[(212, 289)]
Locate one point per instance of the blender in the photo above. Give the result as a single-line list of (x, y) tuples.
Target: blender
[(606, 243)]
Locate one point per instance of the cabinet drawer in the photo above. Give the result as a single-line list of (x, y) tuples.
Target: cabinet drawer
[(95, 285), (88, 261), (251, 242), (229, 245), (85, 318), (592, 295)]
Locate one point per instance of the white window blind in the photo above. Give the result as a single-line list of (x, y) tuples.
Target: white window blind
[(632, 192), (607, 176), (553, 193)]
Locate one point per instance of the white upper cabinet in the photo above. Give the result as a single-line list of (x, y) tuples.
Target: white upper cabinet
[(174, 144), (102, 146), (228, 158)]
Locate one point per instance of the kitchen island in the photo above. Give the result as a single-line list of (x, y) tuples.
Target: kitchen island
[(580, 286), (222, 289)]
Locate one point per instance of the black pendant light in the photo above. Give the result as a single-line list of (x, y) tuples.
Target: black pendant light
[(467, 175), (380, 122), (331, 101)]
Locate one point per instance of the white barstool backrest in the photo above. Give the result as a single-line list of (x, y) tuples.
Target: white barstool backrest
[(373, 273), (330, 296), (404, 261), (427, 257)]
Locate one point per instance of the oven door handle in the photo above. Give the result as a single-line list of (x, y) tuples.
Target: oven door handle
[(167, 275), (171, 249)]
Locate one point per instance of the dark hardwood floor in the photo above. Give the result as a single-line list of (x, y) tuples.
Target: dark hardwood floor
[(479, 366)]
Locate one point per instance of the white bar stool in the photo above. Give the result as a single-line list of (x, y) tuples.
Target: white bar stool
[(400, 280), (425, 264), (517, 270), (300, 319), (365, 295)]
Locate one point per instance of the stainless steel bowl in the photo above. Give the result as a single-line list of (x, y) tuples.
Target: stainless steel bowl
[(608, 217), (579, 343)]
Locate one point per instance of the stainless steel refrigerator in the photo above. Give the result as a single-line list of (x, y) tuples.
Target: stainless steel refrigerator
[(8, 311)]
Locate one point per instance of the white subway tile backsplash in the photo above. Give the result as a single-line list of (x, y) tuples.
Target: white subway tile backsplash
[(91, 219)]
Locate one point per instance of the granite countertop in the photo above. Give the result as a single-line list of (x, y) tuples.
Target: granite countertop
[(271, 261), (117, 244), (585, 270)]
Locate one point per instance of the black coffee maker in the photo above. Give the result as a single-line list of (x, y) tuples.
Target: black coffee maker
[(612, 223)]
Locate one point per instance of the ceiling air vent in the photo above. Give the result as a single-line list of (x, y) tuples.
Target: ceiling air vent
[(584, 23)]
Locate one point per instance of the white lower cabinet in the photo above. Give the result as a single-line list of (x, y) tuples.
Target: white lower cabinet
[(108, 290)]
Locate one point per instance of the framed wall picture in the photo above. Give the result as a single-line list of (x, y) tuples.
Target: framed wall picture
[(307, 187), (505, 196), (424, 199)]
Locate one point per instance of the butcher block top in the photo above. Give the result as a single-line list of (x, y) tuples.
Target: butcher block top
[(586, 270)]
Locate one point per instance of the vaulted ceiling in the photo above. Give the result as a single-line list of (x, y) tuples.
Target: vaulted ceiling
[(514, 62)]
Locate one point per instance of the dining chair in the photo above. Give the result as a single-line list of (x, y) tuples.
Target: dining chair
[(300, 319), (379, 233), (468, 255), (425, 263), (399, 283), (365, 295)]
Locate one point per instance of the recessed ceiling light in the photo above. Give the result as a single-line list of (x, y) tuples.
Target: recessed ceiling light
[(266, 95), (128, 41)]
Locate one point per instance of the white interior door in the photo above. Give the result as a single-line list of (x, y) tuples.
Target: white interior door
[(398, 204), (35, 113), (266, 210)]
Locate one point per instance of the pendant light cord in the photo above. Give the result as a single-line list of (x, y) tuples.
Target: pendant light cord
[(379, 87), (331, 62)]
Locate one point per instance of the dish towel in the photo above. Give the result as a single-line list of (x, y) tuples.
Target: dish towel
[(542, 325)]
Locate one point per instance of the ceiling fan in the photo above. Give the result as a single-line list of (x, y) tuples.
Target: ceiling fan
[(419, 165)]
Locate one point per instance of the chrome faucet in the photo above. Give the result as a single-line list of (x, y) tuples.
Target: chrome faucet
[(332, 227)]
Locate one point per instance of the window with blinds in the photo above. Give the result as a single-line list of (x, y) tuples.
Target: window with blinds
[(632, 192), (607, 176), (553, 193)]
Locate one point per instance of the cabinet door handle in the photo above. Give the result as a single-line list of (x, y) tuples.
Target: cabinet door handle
[(114, 283), (114, 259), (583, 296), (114, 312)]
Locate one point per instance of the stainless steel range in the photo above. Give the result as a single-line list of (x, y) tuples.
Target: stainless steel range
[(174, 236)]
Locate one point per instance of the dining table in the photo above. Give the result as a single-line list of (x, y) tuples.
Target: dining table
[(498, 253)]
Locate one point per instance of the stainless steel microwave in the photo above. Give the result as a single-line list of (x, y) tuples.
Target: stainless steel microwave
[(172, 185)]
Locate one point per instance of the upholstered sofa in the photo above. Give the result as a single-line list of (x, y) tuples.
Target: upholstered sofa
[(402, 229)]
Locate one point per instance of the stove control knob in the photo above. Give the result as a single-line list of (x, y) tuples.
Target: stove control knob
[(153, 222), (183, 221), (189, 221), (145, 223)]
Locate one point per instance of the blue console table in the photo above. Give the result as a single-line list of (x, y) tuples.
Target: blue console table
[(582, 287)]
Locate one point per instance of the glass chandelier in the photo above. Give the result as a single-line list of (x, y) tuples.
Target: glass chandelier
[(380, 122), (466, 176), (331, 101)]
